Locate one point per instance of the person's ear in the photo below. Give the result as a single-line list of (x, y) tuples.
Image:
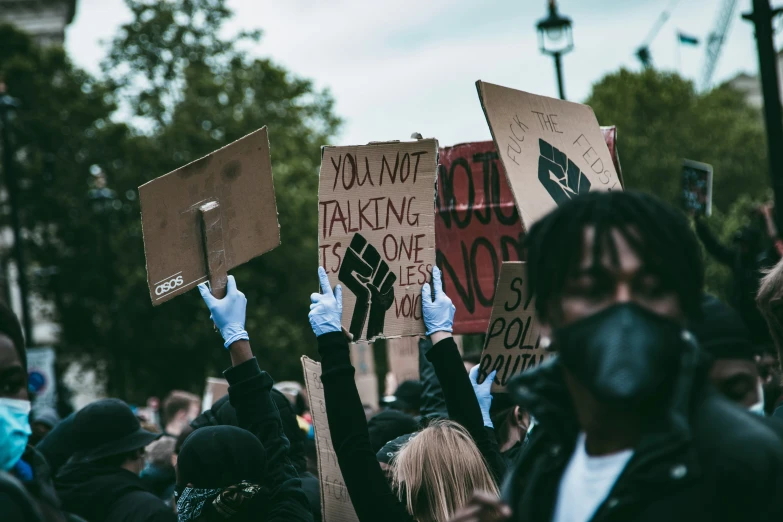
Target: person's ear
[(521, 418)]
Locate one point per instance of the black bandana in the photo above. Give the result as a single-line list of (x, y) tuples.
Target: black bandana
[(226, 502)]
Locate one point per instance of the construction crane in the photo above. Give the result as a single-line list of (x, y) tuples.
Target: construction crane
[(643, 52), (716, 39)]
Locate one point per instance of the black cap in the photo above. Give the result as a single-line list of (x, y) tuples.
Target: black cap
[(388, 425), (105, 428)]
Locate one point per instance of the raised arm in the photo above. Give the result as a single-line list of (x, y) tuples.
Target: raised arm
[(721, 253), (366, 482), (461, 401), (249, 393)]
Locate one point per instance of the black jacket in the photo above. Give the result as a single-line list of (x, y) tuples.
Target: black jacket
[(709, 460), (371, 495), (109, 494), (249, 391)]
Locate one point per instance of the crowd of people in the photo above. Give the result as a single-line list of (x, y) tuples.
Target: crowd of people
[(654, 407)]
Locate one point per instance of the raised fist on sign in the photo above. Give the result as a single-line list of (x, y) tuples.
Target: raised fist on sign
[(365, 274), (559, 175)]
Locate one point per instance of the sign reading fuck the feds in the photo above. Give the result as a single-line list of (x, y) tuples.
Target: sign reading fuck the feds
[(552, 150), (376, 232)]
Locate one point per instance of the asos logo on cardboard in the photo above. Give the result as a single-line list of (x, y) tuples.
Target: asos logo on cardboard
[(167, 286)]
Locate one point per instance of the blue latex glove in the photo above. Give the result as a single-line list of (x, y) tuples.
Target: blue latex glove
[(483, 393), (228, 313), (438, 314), (326, 308)]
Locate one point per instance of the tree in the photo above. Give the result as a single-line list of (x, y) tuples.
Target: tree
[(661, 119), (190, 92)]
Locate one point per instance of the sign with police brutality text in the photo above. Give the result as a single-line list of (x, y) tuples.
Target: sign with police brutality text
[(234, 187), (512, 344), (376, 232), (552, 150)]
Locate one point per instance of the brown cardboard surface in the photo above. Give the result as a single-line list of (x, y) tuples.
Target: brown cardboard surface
[(214, 390), (402, 355), (335, 502), (239, 178), (552, 149), (376, 232), (513, 336), (363, 361)]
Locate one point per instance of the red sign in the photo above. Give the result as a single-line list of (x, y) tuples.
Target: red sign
[(477, 227)]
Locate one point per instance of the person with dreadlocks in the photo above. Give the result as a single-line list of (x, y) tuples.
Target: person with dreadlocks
[(628, 426)]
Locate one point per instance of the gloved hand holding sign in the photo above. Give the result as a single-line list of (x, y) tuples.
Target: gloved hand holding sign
[(326, 308), (228, 313), (483, 393), (438, 314)]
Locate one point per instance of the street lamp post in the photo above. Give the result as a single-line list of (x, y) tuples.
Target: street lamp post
[(7, 106), (555, 39), (762, 17)]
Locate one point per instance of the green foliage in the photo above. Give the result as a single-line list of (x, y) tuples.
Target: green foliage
[(190, 91), (661, 119)]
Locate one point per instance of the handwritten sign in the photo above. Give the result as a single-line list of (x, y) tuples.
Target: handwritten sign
[(697, 188), (477, 228), (512, 344), (363, 361), (376, 232), (237, 181), (552, 150), (335, 502)]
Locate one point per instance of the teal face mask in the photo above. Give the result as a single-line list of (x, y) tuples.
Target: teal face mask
[(14, 431)]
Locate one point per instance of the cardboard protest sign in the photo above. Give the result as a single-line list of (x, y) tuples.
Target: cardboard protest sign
[(214, 390), (402, 356), (335, 502), (477, 228), (208, 217), (513, 339), (376, 232), (363, 361), (696, 188), (552, 150)]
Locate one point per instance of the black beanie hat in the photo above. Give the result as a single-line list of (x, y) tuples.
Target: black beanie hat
[(388, 425), (220, 456)]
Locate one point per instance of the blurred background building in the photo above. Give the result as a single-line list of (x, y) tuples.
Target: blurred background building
[(45, 20)]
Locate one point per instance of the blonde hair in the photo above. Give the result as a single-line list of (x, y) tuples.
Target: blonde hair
[(769, 301), (436, 472)]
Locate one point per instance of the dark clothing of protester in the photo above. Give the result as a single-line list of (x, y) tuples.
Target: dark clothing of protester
[(100, 493), (371, 495), (312, 490), (722, 333), (746, 273), (407, 397), (709, 460), (160, 481), (16, 504), (433, 403), (58, 446), (250, 395), (34, 474)]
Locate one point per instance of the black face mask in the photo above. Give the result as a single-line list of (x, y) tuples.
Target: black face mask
[(624, 355)]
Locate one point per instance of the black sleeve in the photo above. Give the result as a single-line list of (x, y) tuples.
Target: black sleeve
[(249, 393), (433, 403), (721, 253), (371, 495), (462, 404)]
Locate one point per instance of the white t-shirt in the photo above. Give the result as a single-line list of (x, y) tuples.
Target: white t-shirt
[(586, 482)]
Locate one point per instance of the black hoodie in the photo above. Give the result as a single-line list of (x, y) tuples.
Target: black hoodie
[(109, 494)]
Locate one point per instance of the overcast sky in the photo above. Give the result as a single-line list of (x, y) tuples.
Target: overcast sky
[(395, 67)]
